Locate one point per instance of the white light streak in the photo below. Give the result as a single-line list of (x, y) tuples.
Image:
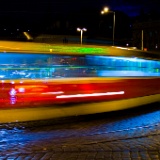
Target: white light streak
[(21, 90), (91, 95), (12, 92), (12, 82)]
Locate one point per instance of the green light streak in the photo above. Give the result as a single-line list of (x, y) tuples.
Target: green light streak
[(53, 48), (59, 67), (74, 49)]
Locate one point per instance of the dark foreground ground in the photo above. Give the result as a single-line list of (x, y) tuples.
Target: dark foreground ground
[(125, 135)]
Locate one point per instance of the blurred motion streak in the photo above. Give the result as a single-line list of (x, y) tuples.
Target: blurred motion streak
[(93, 79), (73, 90)]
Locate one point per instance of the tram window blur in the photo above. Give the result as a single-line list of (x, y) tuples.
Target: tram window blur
[(55, 66)]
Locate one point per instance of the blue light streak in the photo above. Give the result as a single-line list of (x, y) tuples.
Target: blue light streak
[(33, 66)]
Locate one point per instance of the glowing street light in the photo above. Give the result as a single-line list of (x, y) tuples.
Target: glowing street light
[(81, 30), (106, 10)]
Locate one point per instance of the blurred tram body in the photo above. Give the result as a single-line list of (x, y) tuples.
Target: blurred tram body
[(37, 86)]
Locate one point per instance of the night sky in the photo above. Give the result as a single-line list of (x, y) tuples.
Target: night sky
[(134, 7), (42, 14), (38, 7)]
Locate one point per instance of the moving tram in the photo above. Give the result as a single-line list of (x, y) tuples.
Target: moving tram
[(43, 85)]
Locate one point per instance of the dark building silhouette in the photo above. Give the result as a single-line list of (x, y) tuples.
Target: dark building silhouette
[(146, 31), (147, 35)]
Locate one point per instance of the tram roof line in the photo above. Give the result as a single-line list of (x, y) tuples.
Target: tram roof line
[(75, 49)]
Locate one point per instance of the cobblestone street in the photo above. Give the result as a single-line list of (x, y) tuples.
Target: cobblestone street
[(127, 135)]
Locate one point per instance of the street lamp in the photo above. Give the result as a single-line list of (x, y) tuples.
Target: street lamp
[(81, 30), (106, 10)]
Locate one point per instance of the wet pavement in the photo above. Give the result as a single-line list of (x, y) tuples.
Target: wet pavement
[(125, 135)]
